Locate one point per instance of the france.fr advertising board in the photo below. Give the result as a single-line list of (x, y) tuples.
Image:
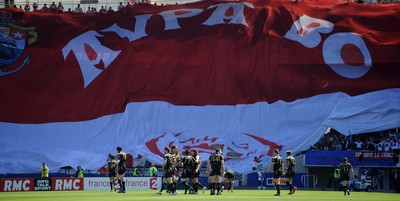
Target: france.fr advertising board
[(75, 184)]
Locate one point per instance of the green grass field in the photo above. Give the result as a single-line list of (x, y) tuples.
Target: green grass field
[(300, 195)]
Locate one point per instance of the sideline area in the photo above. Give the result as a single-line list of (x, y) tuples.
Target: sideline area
[(254, 195)]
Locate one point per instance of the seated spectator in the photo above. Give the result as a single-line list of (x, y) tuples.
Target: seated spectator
[(88, 10)]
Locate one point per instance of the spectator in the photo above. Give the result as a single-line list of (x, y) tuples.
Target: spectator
[(44, 9), (88, 10), (110, 10), (153, 171), (79, 172), (35, 7), (44, 171), (53, 7), (27, 7), (60, 7), (358, 144), (78, 9), (102, 10), (120, 6)]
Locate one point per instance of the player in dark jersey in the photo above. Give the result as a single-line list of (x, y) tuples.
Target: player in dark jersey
[(278, 167), (216, 168), (229, 180), (196, 171), (168, 170), (121, 167), (175, 166), (112, 170), (344, 174), (187, 172), (290, 171)]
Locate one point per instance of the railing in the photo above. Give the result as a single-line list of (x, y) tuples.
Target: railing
[(309, 181)]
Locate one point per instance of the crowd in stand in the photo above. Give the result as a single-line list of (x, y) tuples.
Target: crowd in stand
[(381, 141), (53, 8)]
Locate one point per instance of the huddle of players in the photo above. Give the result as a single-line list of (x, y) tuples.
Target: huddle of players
[(117, 164), (190, 164), (278, 166)]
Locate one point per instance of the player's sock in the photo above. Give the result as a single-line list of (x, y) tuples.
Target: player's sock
[(278, 189), (344, 189), (120, 184), (196, 187), (290, 186), (199, 184), (212, 187), (218, 186), (111, 185), (171, 187), (175, 186), (123, 186), (163, 187), (187, 186)]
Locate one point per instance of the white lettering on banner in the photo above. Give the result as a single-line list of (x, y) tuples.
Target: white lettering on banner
[(16, 185), (219, 15), (306, 30), (153, 183), (332, 54), (67, 184), (171, 17), (140, 29), (89, 52)]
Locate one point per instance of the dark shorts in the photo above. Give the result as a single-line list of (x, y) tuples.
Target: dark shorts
[(187, 173), (229, 176), (277, 174), (121, 170), (345, 177), (195, 174), (290, 174), (215, 172), (112, 173), (168, 173)]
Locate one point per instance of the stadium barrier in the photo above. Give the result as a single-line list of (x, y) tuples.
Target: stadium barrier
[(75, 184)]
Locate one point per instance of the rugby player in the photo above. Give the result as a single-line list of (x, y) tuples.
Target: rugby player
[(121, 156), (344, 174), (196, 171), (277, 166), (216, 168), (168, 171), (111, 170), (187, 172), (229, 180), (290, 171)]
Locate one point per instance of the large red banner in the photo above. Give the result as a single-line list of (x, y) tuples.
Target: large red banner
[(73, 67)]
